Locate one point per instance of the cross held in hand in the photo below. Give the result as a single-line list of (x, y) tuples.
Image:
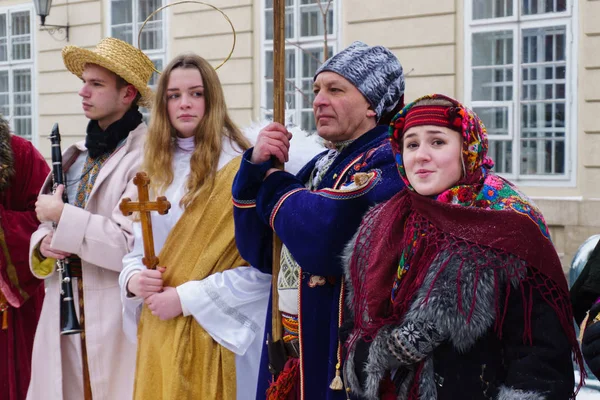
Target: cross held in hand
[(144, 206)]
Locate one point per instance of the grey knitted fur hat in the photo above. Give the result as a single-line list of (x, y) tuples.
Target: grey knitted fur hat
[(375, 72)]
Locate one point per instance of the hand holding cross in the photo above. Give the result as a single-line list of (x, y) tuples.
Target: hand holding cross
[(144, 206)]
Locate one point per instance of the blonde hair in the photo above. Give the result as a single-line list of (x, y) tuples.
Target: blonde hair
[(214, 126)]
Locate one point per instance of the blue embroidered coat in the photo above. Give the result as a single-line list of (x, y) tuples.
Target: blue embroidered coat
[(315, 226)]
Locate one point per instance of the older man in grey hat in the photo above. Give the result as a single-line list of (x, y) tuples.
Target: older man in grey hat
[(317, 211)]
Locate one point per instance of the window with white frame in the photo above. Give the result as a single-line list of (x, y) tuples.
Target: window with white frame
[(127, 17), (304, 53), (16, 67), (520, 82)]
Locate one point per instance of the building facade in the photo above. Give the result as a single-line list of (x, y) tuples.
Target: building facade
[(530, 68)]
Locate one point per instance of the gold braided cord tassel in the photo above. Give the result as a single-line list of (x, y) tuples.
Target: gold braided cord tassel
[(336, 383)]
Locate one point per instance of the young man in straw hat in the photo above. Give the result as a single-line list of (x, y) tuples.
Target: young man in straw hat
[(91, 231)]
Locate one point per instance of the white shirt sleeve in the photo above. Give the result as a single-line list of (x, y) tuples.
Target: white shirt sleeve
[(132, 264), (231, 305)]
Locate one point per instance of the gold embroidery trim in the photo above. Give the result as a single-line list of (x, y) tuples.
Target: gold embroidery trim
[(10, 268)]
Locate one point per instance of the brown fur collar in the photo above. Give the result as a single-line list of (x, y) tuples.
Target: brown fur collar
[(7, 165)]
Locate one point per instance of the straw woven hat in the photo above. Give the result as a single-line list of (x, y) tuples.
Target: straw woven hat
[(117, 56)]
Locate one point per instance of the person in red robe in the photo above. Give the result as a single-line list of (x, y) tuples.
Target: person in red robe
[(22, 173)]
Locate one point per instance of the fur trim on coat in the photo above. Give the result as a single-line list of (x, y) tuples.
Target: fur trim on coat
[(431, 320), (507, 393)]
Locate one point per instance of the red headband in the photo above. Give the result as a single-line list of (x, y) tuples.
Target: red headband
[(433, 115)]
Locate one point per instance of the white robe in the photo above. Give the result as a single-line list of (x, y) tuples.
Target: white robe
[(231, 305)]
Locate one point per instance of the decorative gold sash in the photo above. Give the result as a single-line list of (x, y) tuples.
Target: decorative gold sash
[(178, 359)]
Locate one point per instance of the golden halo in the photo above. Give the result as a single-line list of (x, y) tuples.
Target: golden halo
[(197, 2)]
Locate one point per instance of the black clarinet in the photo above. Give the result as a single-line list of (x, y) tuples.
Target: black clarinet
[(69, 324)]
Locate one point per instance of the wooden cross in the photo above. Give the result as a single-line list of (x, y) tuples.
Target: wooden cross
[(144, 206)]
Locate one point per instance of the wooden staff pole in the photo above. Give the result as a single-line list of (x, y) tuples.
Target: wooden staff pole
[(278, 116)]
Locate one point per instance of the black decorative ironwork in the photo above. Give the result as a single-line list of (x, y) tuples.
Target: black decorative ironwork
[(52, 29)]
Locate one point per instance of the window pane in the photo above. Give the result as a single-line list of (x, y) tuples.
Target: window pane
[(311, 20), (492, 66), (307, 93), (269, 100), (23, 127), (290, 63), (528, 157), (151, 38), (492, 48), (492, 84), (501, 152), (536, 117), (308, 121), (543, 156), (483, 9), (312, 59), (290, 94), (558, 151), (495, 120), (22, 102), (158, 64), (544, 66), (290, 74), (269, 64), (3, 38), (269, 25), (533, 7), (22, 91), (3, 30), (147, 7), (289, 24), (121, 12), (543, 138), (559, 51), (123, 32), (21, 48), (4, 94), (21, 36), (20, 23)]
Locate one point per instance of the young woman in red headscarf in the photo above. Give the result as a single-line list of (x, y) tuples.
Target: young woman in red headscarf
[(454, 289)]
